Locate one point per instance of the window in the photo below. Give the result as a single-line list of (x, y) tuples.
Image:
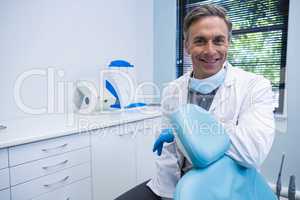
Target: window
[(259, 39)]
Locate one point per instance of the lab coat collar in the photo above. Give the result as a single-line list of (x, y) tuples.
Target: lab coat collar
[(229, 78), (223, 95)]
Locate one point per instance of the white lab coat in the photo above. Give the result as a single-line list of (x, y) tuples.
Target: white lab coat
[(243, 104)]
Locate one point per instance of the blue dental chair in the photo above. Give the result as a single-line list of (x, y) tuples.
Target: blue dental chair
[(214, 176)]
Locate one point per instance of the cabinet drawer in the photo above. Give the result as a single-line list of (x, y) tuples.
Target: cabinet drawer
[(49, 183), (3, 158), (4, 178), (32, 170), (5, 194), (37, 150), (76, 191)]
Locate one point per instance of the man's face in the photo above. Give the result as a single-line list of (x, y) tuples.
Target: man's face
[(207, 44)]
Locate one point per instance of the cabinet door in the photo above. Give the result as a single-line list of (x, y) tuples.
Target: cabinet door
[(5, 194), (144, 142), (4, 178), (3, 158), (113, 162)]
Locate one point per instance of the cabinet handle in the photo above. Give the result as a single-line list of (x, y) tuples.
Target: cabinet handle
[(56, 165), (54, 148), (61, 181)]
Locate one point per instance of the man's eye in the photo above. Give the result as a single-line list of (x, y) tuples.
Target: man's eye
[(219, 41), (199, 41)]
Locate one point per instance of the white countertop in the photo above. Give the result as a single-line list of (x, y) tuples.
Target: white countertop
[(41, 127)]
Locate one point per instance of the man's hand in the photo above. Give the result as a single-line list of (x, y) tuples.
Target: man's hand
[(165, 136)]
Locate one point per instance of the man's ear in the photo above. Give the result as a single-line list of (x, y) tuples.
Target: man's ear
[(186, 46)]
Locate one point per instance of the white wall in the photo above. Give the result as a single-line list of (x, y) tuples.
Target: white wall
[(289, 142), (76, 36), (164, 41)]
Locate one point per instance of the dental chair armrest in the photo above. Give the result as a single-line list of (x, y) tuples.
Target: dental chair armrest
[(203, 139)]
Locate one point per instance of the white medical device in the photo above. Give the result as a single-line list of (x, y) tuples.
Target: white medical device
[(117, 90)]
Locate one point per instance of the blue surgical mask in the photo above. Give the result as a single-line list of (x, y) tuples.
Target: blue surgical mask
[(207, 85)]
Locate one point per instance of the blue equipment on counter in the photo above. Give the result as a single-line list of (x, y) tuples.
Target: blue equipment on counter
[(112, 90), (115, 86), (120, 63)]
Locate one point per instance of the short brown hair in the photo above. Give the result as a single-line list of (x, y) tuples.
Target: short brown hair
[(206, 11)]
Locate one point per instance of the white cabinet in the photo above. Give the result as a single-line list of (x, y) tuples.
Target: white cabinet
[(4, 178), (40, 168), (4, 175), (3, 158), (5, 194), (113, 162), (144, 145), (122, 157)]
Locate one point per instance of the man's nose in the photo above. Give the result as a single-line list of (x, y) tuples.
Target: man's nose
[(210, 48)]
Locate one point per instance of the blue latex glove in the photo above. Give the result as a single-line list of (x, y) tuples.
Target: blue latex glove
[(165, 136)]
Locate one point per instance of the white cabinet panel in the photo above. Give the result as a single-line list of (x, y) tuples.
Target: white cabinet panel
[(80, 190), (5, 194), (33, 151), (144, 144), (32, 170), (4, 178), (49, 183), (113, 162), (3, 158)]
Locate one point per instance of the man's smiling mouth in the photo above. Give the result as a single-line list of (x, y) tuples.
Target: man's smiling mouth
[(210, 61)]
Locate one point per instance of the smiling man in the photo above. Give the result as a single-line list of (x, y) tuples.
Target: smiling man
[(242, 103)]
